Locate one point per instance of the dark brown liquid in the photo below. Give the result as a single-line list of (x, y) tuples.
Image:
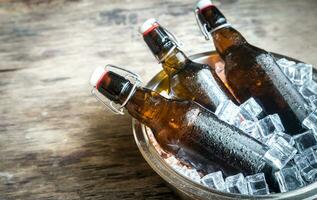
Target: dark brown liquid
[(190, 131), (253, 72), (199, 83), (187, 79), (188, 127)]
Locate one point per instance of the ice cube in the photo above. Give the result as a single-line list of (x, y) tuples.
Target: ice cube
[(300, 73), (227, 111), (284, 63), (250, 128), (172, 161), (305, 92), (269, 124), (193, 175), (312, 86), (236, 184), (289, 139), (180, 169), (289, 179), (175, 164), (257, 184), (214, 180), (231, 113), (308, 89), (190, 173), (252, 107), (313, 101), (242, 116), (305, 140), (280, 152), (307, 164), (311, 121)]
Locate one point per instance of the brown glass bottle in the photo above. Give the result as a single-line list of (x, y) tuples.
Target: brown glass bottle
[(187, 79), (253, 72), (187, 126)]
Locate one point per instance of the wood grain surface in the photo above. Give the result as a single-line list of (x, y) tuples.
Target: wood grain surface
[(56, 140)]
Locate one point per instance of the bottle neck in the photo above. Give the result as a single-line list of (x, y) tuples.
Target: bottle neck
[(165, 49), (145, 105), (159, 42), (113, 86), (225, 37), (174, 61)]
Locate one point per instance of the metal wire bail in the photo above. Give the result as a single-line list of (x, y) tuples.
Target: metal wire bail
[(136, 82), (202, 28)]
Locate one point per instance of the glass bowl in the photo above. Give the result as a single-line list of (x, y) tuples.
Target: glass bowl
[(184, 187)]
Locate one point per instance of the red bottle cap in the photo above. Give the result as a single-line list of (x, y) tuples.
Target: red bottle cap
[(148, 26), (97, 76), (202, 4)]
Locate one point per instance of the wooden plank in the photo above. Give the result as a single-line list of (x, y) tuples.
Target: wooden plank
[(56, 141)]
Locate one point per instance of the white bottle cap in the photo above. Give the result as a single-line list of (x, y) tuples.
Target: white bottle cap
[(148, 25), (97, 75), (203, 4)]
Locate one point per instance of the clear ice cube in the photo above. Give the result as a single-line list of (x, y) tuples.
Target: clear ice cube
[(172, 161), (289, 139), (310, 121), (289, 179), (313, 101), (270, 124), (284, 63), (299, 73), (214, 180), (307, 164), (257, 184), (252, 107), (236, 184), (227, 111), (308, 89), (191, 174), (250, 128), (231, 113), (242, 116), (180, 169), (280, 152), (305, 140)]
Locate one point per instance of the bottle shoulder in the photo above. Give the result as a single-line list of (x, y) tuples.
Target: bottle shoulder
[(245, 57), (191, 67), (244, 49)]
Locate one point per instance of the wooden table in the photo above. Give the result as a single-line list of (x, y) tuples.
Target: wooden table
[(56, 140)]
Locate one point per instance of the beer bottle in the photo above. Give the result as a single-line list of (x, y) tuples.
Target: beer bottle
[(184, 125), (251, 71), (187, 79)]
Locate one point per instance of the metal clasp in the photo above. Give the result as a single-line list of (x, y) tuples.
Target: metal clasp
[(136, 81), (202, 28)]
